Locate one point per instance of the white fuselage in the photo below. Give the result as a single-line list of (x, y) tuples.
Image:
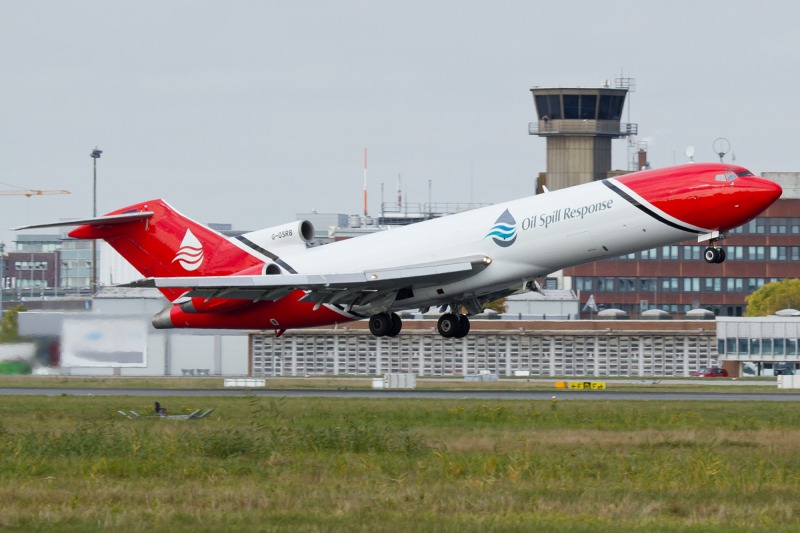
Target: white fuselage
[(551, 231)]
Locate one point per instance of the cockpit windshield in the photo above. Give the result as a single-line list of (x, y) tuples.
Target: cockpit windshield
[(731, 175)]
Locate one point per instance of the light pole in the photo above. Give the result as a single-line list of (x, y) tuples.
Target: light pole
[(95, 155), (2, 275)]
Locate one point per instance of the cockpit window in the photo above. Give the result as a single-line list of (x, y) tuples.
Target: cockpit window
[(728, 176), (743, 173)]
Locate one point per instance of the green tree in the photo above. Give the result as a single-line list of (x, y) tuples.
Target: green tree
[(773, 297), (9, 325)]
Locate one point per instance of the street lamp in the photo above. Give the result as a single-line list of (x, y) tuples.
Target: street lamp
[(95, 155)]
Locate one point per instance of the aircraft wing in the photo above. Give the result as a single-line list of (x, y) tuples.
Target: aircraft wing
[(345, 288)]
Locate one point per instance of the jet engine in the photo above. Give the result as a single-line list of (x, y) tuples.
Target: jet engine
[(293, 234)]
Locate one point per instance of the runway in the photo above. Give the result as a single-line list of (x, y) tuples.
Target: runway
[(607, 395)]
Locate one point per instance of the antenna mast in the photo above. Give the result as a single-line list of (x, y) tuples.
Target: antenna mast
[(365, 181)]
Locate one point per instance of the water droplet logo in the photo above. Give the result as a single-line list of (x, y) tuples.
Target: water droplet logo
[(190, 254), (504, 231)]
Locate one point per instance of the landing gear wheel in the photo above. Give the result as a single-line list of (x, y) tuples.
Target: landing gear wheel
[(452, 326), (380, 324), (448, 325), (714, 255), (463, 327), (397, 325)]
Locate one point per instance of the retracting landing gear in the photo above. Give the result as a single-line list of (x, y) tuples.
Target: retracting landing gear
[(453, 326), (385, 324), (714, 254)]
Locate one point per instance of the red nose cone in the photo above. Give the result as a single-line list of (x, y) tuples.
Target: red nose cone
[(749, 198), (705, 197)]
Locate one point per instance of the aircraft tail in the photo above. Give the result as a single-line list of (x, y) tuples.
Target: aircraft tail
[(161, 242)]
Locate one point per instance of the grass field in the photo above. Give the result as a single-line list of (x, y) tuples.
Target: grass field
[(70, 463)]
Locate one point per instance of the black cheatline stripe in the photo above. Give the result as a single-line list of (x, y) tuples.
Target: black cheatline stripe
[(644, 209), (247, 242)]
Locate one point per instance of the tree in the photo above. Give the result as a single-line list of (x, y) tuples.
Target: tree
[(773, 297), (9, 326), (498, 305)]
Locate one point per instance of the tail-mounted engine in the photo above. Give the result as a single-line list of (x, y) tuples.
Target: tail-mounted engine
[(293, 234)]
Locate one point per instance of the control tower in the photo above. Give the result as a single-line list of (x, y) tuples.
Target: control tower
[(579, 124)]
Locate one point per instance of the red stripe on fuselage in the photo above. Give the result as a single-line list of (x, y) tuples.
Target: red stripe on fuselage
[(695, 195)]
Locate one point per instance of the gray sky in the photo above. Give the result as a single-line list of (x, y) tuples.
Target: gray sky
[(251, 111)]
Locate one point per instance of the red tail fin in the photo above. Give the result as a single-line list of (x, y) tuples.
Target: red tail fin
[(168, 244)]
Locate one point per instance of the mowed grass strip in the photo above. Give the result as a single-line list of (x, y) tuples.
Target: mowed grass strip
[(322, 464)]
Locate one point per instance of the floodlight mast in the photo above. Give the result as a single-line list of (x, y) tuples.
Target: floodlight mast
[(95, 155)]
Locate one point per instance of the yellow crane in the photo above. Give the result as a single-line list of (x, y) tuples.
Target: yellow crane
[(32, 192)]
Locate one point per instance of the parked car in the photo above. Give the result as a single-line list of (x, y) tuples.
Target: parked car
[(710, 372)]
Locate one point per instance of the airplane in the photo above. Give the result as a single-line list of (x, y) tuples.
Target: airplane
[(271, 279)]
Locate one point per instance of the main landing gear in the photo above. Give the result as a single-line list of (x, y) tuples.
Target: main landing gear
[(714, 254), (385, 324), (453, 326)]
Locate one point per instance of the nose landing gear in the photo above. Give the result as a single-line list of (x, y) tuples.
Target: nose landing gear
[(714, 254)]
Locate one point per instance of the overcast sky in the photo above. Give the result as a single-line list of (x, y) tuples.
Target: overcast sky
[(249, 112)]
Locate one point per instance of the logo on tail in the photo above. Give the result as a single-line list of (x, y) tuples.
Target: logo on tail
[(504, 231), (190, 254)]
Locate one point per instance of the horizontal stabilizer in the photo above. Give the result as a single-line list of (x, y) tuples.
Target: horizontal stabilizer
[(96, 221)]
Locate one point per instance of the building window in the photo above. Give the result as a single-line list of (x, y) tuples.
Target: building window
[(669, 284), (649, 254), (627, 284), (735, 253), (735, 284), (755, 347), (692, 252), (755, 253), (691, 284), (777, 253), (30, 265), (777, 347), (647, 284), (606, 284), (791, 346)]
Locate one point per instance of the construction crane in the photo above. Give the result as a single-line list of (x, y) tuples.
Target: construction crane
[(32, 192)]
